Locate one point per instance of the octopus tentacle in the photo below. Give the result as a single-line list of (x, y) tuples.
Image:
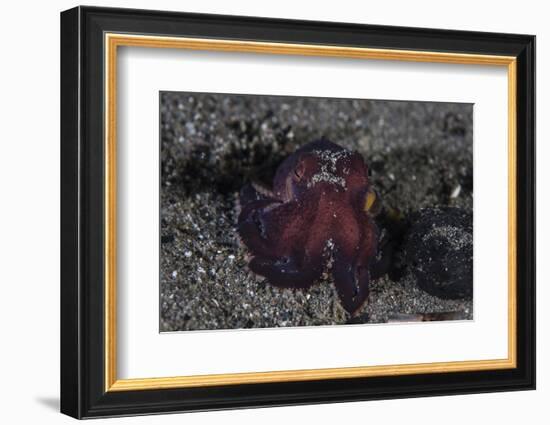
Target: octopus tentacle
[(288, 271), (352, 282), (251, 226), (252, 192), (355, 249), (273, 229)]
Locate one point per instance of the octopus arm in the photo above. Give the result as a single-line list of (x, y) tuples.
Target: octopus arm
[(288, 271), (352, 282), (253, 192), (279, 236), (252, 225), (355, 248)]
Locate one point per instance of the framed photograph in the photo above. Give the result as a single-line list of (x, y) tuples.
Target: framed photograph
[(261, 212)]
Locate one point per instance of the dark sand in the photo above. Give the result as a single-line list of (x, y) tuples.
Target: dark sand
[(420, 155)]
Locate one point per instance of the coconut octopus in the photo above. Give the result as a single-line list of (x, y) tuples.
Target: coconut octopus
[(317, 217)]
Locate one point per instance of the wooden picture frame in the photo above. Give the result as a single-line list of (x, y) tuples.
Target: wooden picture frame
[(90, 38)]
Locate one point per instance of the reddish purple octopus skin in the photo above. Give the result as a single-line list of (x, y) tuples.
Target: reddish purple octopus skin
[(313, 219)]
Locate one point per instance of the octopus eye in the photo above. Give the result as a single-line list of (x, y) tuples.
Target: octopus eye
[(299, 171)]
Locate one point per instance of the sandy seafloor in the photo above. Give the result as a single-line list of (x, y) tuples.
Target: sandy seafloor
[(420, 155)]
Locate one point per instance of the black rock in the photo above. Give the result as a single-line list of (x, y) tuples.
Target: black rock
[(439, 251)]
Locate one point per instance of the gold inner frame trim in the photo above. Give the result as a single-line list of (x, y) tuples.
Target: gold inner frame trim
[(113, 41)]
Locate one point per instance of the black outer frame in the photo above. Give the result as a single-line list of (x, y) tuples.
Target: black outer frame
[(82, 217)]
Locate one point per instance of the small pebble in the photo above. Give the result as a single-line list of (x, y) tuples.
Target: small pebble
[(456, 192)]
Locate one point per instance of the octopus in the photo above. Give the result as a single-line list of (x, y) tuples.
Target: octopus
[(318, 217)]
